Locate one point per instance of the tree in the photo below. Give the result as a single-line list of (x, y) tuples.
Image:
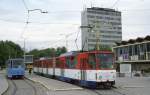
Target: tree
[(49, 52), (9, 49)]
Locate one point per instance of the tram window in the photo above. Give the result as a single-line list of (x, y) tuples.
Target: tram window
[(67, 62), (50, 63), (74, 61), (92, 61), (57, 63), (106, 61), (9, 64), (71, 62), (17, 63), (83, 62)]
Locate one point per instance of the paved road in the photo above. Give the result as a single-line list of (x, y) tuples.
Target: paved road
[(135, 85), (53, 84), (55, 88), (25, 87), (3, 82), (125, 86), (85, 91)]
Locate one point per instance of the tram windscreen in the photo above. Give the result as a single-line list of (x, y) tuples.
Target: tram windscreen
[(105, 61), (92, 61), (18, 63)]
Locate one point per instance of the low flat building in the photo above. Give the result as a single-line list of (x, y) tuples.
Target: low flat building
[(133, 56)]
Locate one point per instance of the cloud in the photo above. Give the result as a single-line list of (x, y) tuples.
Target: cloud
[(64, 17)]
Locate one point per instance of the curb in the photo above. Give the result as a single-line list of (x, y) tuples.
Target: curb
[(133, 86), (54, 89), (6, 88), (37, 82)]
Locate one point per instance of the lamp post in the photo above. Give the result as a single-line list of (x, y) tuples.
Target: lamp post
[(37, 10), (24, 53), (27, 22)]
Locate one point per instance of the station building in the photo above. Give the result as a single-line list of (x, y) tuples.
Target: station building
[(133, 56)]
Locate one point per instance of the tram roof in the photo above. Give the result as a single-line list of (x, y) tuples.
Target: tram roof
[(15, 59), (72, 53)]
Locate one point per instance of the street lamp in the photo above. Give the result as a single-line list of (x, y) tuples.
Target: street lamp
[(24, 53), (37, 10), (27, 22)]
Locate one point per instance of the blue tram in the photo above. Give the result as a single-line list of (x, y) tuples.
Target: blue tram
[(15, 68)]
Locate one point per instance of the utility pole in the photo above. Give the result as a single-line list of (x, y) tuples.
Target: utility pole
[(88, 27), (27, 22), (97, 36), (24, 53)]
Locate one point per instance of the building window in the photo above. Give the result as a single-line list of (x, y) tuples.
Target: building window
[(90, 16), (148, 47)]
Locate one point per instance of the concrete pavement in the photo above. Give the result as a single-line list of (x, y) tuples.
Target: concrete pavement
[(53, 84), (125, 86), (138, 82), (134, 85), (3, 82)]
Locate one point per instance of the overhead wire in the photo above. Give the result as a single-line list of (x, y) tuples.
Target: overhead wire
[(77, 39), (27, 19), (116, 2), (15, 21), (25, 5), (52, 44), (75, 24), (10, 20), (26, 24)]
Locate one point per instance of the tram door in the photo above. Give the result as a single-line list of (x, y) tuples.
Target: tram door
[(83, 62), (47, 66), (54, 65), (62, 66), (42, 67)]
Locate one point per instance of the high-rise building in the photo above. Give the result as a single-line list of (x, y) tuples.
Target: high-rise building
[(100, 26)]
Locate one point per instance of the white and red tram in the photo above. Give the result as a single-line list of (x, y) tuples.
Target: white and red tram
[(90, 69)]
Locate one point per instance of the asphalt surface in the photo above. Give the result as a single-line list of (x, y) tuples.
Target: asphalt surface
[(24, 87), (124, 86), (54, 88), (3, 82)]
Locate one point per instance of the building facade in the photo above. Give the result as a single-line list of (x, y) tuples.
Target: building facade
[(100, 26), (133, 56)]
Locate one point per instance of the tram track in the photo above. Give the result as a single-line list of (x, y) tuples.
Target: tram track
[(11, 88), (112, 91), (20, 87), (34, 88), (96, 92), (15, 88), (119, 92)]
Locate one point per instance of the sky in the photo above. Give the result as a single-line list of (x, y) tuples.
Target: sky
[(61, 23)]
